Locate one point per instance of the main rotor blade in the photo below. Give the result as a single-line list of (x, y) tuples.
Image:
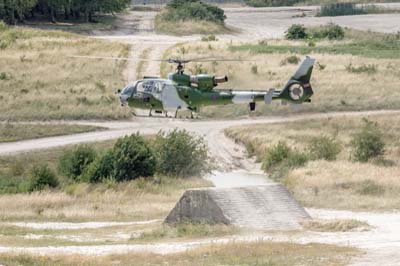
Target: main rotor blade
[(113, 58)]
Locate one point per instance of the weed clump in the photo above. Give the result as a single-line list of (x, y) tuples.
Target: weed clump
[(368, 143), (293, 60), (369, 69), (324, 147), (42, 177), (280, 158), (209, 38)]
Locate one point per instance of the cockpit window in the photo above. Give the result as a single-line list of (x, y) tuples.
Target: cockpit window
[(150, 86), (128, 90)]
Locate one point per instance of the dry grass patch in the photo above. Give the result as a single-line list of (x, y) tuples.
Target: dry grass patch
[(39, 81), (336, 225), (340, 184), (261, 253), (129, 201), (16, 131)]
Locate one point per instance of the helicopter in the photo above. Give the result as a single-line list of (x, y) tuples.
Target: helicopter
[(181, 91)]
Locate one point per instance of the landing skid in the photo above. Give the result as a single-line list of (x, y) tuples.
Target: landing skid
[(176, 115)]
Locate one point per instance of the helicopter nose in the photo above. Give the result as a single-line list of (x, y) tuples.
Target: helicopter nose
[(123, 99)]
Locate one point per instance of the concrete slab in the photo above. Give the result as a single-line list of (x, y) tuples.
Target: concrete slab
[(267, 207)]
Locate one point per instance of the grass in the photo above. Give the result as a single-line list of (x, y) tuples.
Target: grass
[(373, 65), (338, 184), (372, 45), (188, 27), (15, 131), (135, 200), (336, 225), (261, 253), (39, 81)]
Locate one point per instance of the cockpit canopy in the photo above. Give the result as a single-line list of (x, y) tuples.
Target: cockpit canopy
[(151, 86)]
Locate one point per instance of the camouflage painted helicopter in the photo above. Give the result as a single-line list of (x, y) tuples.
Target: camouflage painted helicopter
[(181, 91)]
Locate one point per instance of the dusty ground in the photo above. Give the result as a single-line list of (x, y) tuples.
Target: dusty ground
[(382, 244)]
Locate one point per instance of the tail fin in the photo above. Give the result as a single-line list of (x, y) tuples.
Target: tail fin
[(303, 73), (298, 88)]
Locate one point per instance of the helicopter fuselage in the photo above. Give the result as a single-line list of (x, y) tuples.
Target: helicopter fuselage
[(191, 92)]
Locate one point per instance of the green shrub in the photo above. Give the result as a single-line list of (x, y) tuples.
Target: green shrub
[(368, 143), (133, 158), (279, 159), (297, 159), (324, 147), (276, 155), (102, 167), (330, 31), (193, 9), (340, 9), (181, 154), (296, 32), (73, 162), (42, 177)]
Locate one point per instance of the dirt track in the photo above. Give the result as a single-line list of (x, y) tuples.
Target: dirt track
[(382, 244)]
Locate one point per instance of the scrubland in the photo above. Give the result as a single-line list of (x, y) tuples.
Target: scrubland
[(39, 81), (341, 183)]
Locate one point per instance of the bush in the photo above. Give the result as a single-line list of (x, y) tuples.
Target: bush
[(74, 162), (368, 143), (324, 147), (296, 32), (42, 177), (209, 38), (181, 154), (297, 159), (330, 31), (275, 155), (101, 168), (193, 9), (133, 158), (280, 158)]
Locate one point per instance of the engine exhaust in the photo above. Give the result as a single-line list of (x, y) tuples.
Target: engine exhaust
[(221, 79)]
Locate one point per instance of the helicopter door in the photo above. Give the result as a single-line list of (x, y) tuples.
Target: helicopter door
[(170, 98)]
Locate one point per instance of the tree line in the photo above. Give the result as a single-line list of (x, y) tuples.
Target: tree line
[(17, 11)]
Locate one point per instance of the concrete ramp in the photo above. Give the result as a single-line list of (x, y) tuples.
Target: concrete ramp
[(268, 207)]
